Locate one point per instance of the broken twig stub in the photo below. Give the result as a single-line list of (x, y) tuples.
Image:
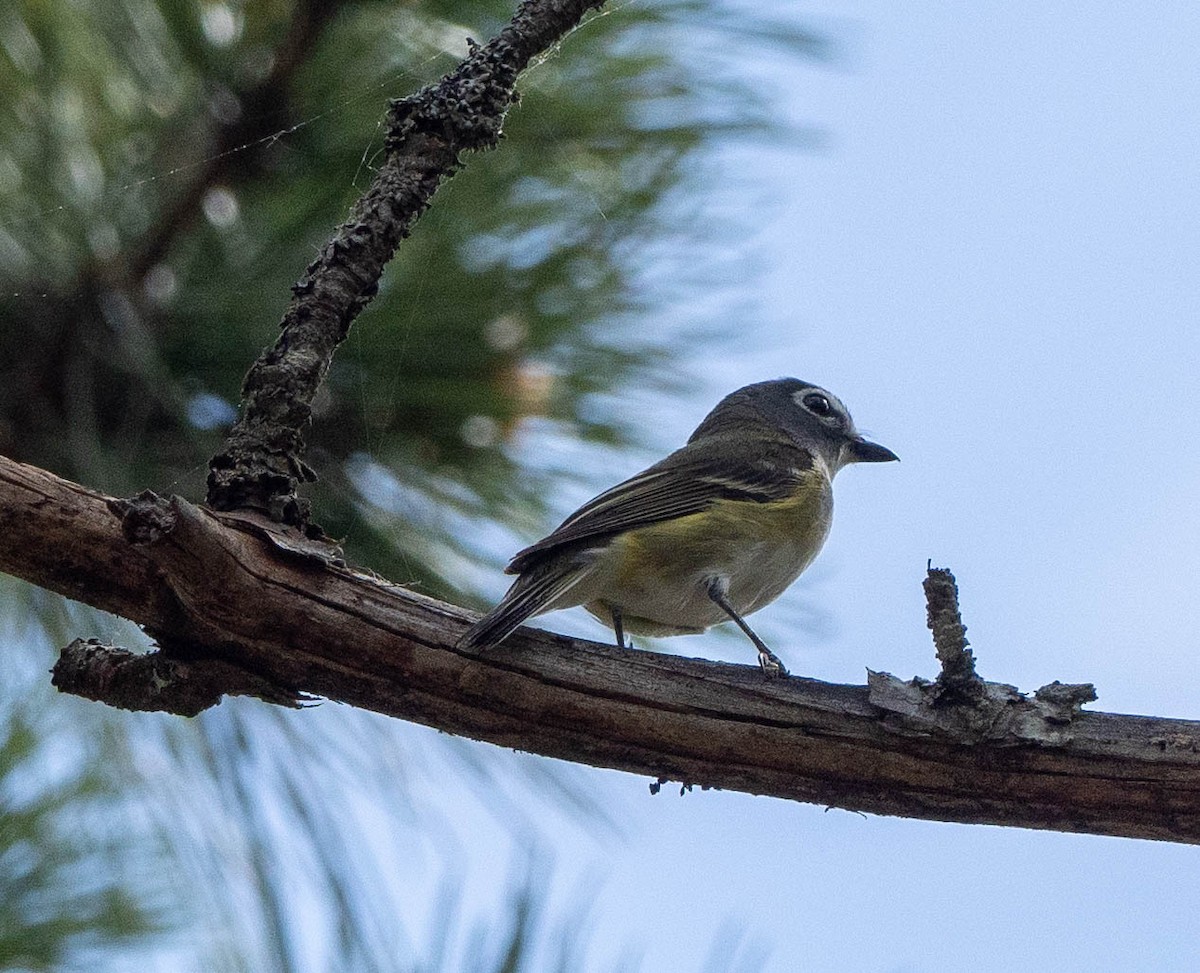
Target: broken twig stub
[(958, 681), (156, 682), (961, 706)]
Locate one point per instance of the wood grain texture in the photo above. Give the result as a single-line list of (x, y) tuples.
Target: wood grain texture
[(248, 593)]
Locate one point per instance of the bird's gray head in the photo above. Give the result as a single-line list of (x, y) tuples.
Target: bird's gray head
[(812, 416)]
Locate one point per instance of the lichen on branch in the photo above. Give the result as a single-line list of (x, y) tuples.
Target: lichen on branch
[(261, 464)]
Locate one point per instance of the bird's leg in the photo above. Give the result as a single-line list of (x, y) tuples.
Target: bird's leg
[(618, 627), (718, 590)]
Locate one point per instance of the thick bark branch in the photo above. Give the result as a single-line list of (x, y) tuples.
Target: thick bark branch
[(261, 465), (243, 591)]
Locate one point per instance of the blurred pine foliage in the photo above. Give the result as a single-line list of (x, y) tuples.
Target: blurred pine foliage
[(166, 171)]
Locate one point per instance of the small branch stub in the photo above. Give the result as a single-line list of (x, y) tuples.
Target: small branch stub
[(144, 518), (1062, 701), (155, 682), (961, 706), (958, 681)]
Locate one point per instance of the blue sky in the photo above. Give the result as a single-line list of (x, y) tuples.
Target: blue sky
[(992, 260)]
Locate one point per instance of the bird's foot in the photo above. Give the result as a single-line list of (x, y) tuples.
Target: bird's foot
[(771, 666)]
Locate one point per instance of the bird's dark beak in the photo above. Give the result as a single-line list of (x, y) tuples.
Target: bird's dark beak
[(861, 451)]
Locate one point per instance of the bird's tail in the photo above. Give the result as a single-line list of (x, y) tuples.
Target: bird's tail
[(530, 595)]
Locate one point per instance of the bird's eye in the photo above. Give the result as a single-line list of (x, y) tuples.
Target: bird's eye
[(817, 404)]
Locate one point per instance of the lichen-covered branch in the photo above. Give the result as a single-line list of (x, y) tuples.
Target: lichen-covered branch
[(261, 465), (958, 678), (290, 615)]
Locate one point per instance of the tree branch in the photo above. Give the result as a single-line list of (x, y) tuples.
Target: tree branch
[(261, 465), (243, 591), (156, 681), (950, 635)]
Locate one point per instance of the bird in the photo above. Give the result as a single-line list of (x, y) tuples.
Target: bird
[(711, 533)]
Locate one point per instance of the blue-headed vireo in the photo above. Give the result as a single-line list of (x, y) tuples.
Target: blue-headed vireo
[(713, 532)]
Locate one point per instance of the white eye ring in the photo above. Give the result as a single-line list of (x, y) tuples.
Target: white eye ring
[(814, 401)]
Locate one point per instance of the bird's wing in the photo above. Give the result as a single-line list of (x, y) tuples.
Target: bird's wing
[(688, 481)]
